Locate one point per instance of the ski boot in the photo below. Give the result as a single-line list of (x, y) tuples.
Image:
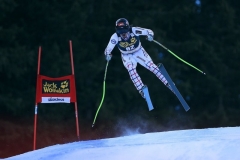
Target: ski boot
[(141, 92), (169, 87)]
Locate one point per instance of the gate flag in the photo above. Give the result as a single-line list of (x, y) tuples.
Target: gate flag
[(56, 90)]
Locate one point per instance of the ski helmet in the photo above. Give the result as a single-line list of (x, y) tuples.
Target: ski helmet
[(122, 26)]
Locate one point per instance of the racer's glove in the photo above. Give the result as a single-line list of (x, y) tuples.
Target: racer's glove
[(108, 57), (149, 37)]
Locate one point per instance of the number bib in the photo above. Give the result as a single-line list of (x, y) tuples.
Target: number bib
[(128, 46)]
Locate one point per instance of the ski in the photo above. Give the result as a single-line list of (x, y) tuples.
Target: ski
[(147, 97), (174, 88)]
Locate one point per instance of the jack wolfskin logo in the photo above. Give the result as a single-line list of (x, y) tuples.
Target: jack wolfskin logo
[(56, 87)]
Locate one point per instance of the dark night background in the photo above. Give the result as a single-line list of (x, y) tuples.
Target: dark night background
[(204, 33)]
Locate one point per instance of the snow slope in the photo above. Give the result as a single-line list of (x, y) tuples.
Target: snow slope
[(196, 144)]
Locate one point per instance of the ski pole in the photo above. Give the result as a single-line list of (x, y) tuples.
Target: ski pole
[(178, 57), (104, 79)]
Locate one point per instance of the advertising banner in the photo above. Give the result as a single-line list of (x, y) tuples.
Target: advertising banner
[(56, 90)]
